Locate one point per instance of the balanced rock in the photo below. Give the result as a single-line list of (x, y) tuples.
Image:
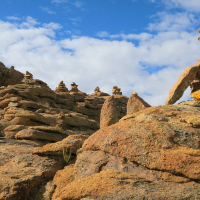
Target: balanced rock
[(188, 75), (108, 113), (135, 104), (74, 88), (61, 87), (116, 90)]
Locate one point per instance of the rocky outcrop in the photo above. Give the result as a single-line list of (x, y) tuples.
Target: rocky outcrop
[(108, 113), (188, 75), (153, 153), (9, 76), (41, 131), (135, 104)]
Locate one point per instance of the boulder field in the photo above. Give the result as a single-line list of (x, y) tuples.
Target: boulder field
[(53, 148)]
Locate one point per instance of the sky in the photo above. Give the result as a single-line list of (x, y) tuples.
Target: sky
[(140, 46)]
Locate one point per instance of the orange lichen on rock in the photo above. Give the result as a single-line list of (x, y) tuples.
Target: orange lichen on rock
[(135, 104)]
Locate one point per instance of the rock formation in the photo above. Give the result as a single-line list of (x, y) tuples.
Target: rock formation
[(108, 113), (189, 74), (135, 104), (116, 90), (37, 125), (97, 92), (51, 146), (61, 87), (153, 154), (9, 76), (74, 88)]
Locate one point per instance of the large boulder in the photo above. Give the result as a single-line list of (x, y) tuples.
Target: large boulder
[(157, 149)]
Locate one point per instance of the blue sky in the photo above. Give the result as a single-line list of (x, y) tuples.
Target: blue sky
[(139, 45)]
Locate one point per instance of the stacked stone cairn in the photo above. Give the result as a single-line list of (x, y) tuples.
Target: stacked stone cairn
[(61, 87), (116, 90)]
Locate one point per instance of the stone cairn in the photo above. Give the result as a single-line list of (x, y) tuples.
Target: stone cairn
[(97, 92), (61, 87), (28, 77), (116, 90), (97, 89), (190, 76), (74, 88)]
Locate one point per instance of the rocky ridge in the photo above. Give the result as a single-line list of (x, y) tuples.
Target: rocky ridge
[(38, 126), (52, 146)]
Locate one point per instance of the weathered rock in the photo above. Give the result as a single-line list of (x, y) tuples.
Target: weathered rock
[(195, 85), (24, 172), (135, 104), (20, 116), (188, 75), (45, 191), (20, 172), (71, 143), (32, 134), (196, 95), (9, 76), (12, 130), (116, 185), (62, 178), (161, 138), (108, 113)]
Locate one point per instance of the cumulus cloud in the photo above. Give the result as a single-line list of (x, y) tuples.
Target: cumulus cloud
[(150, 68)]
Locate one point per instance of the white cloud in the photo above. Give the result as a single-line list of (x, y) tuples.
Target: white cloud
[(52, 25), (103, 34), (13, 18), (172, 22), (46, 9), (150, 68), (30, 22), (191, 5), (141, 36)]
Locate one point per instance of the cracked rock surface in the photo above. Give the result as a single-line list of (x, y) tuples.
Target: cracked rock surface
[(151, 154)]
